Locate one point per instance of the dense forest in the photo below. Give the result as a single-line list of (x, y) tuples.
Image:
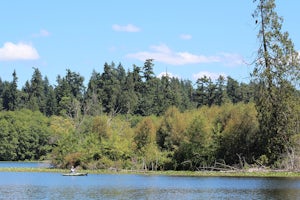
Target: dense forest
[(131, 120), (117, 110), (134, 120), (115, 91)]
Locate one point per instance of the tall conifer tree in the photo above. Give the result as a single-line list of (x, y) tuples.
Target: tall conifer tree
[(276, 69)]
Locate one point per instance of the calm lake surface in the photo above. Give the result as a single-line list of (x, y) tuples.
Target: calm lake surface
[(40, 185), (4, 164)]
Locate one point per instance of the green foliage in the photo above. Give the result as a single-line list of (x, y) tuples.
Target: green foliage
[(171, 131), (194, 153), (135, 120), (9, 140), (276, 73), (100, 126), (144, 134), (116, 91), (145, 144), (192, 140), (238, 135), (69, 89), (24, 135), (10, 94), (101, 142)]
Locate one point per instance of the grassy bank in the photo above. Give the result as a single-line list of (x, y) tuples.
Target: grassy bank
[(265, 173)]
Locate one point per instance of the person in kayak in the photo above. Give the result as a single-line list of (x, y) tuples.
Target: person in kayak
[(72, 169)]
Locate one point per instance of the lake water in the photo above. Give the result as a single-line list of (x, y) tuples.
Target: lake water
[(40, 185), (8, 164)]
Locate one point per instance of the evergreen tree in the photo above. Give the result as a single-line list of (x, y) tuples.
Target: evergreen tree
[(277, 66), (233, 90), (50, 101), (14, 92), (10, 96), (125, 96), (37, 95), (205, 91), (176, 94), (137, 79), (187, 91), (147, 90), (94, 94), (1, 94), (148, 69), (163, 95), (128, 100), (111, 88), (220, 93), (70, 89)]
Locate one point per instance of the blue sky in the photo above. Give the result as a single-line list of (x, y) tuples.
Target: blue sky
[(185, 38)]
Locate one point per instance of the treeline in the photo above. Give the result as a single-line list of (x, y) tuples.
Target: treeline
[(134, 120), (115, 91), (208, 138), (121, 119), (197, 139), (205, 138), (24, 136)]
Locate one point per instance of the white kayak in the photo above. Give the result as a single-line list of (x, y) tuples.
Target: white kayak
[(75, 174)]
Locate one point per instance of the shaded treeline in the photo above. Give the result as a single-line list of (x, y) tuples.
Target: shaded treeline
[(204, 138), (115, 91), (132, 120)]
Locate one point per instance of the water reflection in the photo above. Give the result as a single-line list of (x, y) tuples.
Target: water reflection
[(21, 185), (8, 164)]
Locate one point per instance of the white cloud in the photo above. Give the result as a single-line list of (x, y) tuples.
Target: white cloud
[(232, 59), (126, 28), (185, 36), (44, 32), (41, 33), (212, 75), (162, 53), (20, 51), (167, 74)]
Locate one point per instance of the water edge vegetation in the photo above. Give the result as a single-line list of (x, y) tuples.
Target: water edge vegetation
[(232, 173), (136, 121)]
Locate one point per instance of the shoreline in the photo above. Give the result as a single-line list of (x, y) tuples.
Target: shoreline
[(237, 173)]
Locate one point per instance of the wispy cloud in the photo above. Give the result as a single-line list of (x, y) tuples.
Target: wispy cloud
[(167, 74), (212, 75), (19, 51), (41, 33), (125, 28), (232, 59), (185, 36), (162, 53)]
